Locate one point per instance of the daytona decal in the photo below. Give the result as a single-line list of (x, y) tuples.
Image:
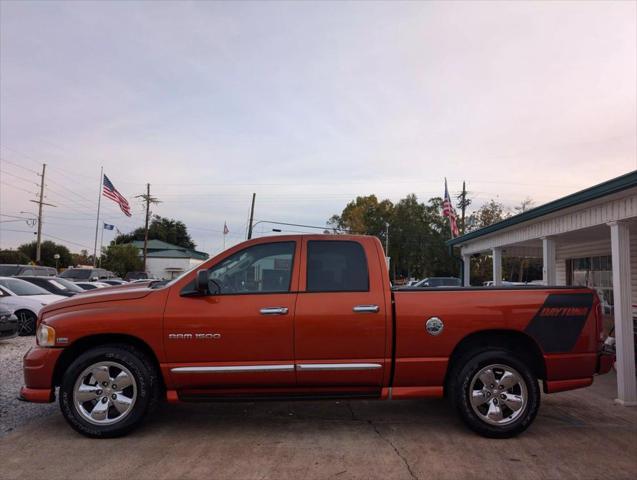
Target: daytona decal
[(559, 322)]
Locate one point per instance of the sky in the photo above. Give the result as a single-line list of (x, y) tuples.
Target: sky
[(307, 104)]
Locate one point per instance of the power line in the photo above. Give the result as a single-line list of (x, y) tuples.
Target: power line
[(14, 230), (17, 188), (2, 159), (4, 172), (65, 240)]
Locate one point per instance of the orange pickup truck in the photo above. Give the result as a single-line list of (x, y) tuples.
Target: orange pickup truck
[(311, 317)]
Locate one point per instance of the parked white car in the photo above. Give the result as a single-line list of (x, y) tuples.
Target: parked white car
[(26, 299), (91, 285)]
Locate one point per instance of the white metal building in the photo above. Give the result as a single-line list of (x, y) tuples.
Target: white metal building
[(167, 261), (587, 238)]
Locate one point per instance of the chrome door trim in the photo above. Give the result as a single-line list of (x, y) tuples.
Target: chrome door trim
[(366, 308), (337, 366), (234, 369), (274, 311)]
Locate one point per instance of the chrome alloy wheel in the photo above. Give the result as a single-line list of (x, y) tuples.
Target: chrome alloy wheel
[(498, 394), (105, 393)]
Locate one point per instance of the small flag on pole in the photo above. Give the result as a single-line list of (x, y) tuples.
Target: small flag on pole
[(108, 226), (225, 229), (111, 192), (448, 211)]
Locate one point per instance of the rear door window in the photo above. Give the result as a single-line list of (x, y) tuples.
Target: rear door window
[(336, 266)]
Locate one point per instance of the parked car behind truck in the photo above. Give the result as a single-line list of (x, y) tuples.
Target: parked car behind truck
[(13, 270), (26, 300), (311, 316), (86, 274)]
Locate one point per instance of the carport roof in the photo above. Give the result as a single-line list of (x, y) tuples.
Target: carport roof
[(614, 185)]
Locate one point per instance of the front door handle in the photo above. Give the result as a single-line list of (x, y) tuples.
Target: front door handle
[(366, 308), (274, 311)]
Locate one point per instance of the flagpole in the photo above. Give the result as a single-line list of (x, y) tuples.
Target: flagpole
[(101, 244), (224, 237), (97, 221)]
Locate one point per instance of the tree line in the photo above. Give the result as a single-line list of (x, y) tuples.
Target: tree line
[(417, 239), (119, 256), (417, 234)]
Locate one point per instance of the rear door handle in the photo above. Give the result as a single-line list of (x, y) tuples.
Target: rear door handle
[(366, 308), (274, 311)]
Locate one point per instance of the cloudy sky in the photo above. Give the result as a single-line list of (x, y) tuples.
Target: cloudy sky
[(306, 104)]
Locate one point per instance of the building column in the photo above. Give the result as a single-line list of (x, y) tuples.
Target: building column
[(466, 270), (549, 276), (620, 246), (497, 266)]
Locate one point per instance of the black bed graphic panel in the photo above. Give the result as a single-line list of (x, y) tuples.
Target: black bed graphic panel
[(558, 323)]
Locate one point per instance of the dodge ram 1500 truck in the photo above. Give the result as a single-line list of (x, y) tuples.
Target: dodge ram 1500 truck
[(311, 317)]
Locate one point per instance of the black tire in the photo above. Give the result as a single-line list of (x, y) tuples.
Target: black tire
[(461, 389), (147, 389), (26, 322)]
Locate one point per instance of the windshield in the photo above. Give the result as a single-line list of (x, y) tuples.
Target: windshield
[(83, 273), (22, 288), (65, 285), (9, 270)]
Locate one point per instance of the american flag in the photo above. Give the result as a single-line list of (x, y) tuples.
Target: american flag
[(111, 192), (448, 211)]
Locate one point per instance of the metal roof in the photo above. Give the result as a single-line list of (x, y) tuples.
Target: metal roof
[(614, 185)]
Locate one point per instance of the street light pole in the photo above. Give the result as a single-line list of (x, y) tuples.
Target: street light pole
[(387, 238)]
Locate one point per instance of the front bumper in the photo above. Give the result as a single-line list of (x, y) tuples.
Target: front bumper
[(39, 364)]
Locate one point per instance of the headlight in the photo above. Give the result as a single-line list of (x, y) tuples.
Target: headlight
[(45, 336)]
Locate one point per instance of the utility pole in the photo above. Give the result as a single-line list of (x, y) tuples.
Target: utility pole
[(40, 202), (463, 203), (148, 200), (38, 245), (254, 195)]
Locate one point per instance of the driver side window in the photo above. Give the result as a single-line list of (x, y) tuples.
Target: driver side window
[(264, 268)]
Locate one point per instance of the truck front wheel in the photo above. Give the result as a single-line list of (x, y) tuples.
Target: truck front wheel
[(496, 394), (108, 390)]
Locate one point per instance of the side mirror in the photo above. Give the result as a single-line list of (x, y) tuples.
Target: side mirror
[(201, 285)]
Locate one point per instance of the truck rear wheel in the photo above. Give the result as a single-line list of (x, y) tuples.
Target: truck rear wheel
[(496, 394), (107, 391)]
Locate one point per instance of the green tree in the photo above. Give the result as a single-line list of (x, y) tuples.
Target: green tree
[(161, 228), (417, 233), (13, 256), (514, 269), (365, 215), (121, 259), (47, 251), (82, 258), (524, 205), (488, 214)]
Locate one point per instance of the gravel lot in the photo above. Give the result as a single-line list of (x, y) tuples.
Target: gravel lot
[(13, 412)]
